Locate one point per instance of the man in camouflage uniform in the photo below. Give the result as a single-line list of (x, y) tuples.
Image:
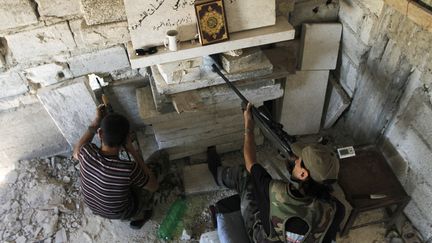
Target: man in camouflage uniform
[(301, 210)]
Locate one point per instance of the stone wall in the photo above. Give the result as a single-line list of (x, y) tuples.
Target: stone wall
[(386, 67), (43, 43)]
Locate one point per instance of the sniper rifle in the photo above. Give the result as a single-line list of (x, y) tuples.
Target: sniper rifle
[(272, 130)]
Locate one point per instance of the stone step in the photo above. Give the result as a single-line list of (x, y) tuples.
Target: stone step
[(198, 179)]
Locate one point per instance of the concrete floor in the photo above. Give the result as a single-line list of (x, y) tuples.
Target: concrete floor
[(40, 201)]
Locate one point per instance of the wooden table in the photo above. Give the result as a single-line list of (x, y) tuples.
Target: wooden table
[(369, 173)]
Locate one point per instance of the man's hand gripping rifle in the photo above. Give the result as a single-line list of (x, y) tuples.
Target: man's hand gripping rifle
[(272, 130)]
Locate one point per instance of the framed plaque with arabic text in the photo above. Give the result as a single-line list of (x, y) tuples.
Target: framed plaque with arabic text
[(212, 24)]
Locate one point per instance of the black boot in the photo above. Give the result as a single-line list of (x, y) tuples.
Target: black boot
[(138, 224), (213, 162)]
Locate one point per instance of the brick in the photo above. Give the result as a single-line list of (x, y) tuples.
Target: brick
[(303, 102), (48, 74), (369, 29), (99, 35), (338, 102), (180, 75), (101, 11), (250, 59), (29, 132), (42, 42), (16, 13), (320, 46), (350, 73), (314, 11), (58, 8), (12, 83), (155, 18), (102, 61), (71, 105)]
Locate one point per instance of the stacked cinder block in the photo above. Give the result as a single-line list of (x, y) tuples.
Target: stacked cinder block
[(187, 117)]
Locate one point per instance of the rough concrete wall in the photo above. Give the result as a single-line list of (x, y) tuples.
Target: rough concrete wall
[(44, 42), (386, 68)]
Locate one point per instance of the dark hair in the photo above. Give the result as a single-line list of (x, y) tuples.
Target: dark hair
[(115, 128)]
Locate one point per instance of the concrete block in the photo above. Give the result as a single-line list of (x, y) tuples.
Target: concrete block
[(13, 102), (320, 46), (43, 42), (353, 47), (155, 18), (303, 102), (314, 11), (284, 7), (248, 60), (181, 71), (71, 105), (208, 78), (352, 14), (12, 83), (179, 76), (102, 61), (58, 8), (99, 35), (147, 143), (338, 101), (375, 6), (101, 12), (16, 13), (146, 106), (48, 74), (28, 132)]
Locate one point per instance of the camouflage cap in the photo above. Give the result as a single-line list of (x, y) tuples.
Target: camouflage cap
[(321, 162)]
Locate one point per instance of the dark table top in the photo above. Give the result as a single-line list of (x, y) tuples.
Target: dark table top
[(369, 173)]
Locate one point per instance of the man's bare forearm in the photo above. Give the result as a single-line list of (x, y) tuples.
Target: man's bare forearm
[(87, 137), (249, 149)]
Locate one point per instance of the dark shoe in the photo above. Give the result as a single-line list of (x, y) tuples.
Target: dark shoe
[(138, 224), (213, 162)]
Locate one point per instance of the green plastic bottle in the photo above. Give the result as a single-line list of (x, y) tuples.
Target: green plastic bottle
[(171, 220)]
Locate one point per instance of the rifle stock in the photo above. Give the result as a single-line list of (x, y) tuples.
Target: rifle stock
[(272, 130)]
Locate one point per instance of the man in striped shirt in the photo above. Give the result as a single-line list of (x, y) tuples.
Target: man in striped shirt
[(114, 188)]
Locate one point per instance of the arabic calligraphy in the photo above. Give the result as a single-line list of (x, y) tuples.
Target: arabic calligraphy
[(183, 4), (152, 9), (171, 23)]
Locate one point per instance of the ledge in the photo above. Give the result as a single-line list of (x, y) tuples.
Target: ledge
[(281, 31), (414, 11)]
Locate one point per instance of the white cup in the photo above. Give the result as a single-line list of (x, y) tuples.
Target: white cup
[(171, 41)]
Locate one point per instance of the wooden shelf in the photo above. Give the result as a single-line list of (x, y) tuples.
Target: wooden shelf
[(281, 31)]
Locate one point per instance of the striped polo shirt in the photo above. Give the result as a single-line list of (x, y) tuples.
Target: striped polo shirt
[(106, 182)]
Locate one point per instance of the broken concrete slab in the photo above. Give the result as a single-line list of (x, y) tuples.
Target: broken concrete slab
[(180, 76), (250, 59), (16, 13), (101, 12), (48, 74), (42, 42), (102, 61), (303, 102), (99, 35), (12, 83), (200, 172), (208, 78), (320, 46), (155, 18), (58, 8), (71, 105), (337, 102), (27, 132)]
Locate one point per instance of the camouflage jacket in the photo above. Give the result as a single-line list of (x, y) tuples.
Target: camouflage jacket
[(317, 214)]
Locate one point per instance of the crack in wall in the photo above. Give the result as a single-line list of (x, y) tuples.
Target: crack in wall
[(35, 7)]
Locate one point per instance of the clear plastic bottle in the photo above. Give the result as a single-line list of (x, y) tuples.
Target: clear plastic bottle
[(171, 220)]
